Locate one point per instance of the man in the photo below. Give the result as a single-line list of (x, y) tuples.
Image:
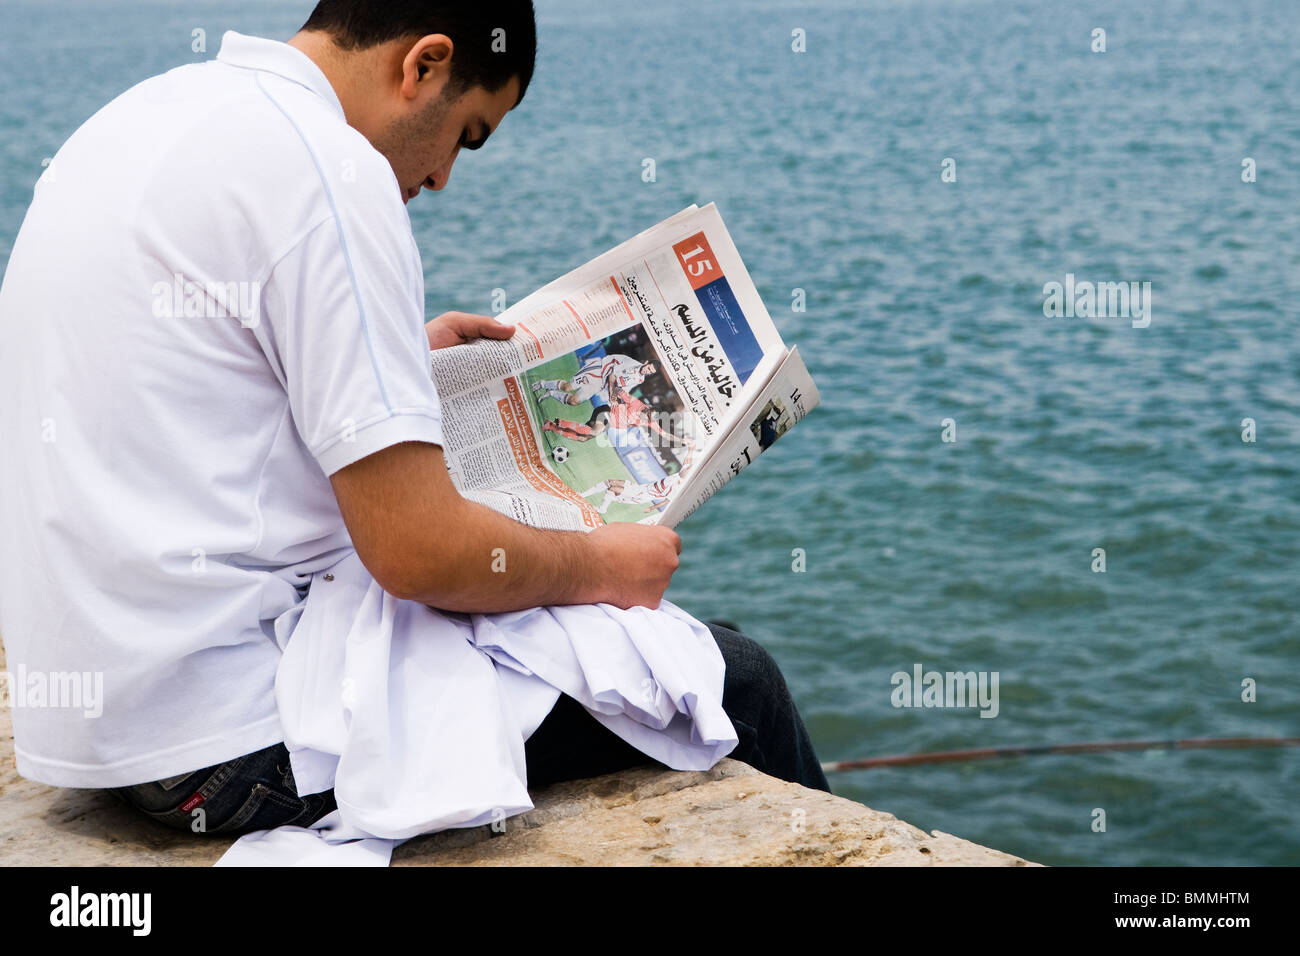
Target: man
[(653, 494), (625, 413), (602, 373), (215, 383)]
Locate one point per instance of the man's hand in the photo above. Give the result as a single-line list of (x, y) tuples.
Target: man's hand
[(635, 563), (457, 328)]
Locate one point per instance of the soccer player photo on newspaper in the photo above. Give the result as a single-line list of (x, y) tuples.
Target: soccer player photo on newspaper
[(613, 427)]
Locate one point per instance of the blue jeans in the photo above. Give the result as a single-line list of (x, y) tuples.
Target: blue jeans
[(253, 792), (256, 791)]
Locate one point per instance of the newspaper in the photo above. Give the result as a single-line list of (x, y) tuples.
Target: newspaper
[(633, 389)]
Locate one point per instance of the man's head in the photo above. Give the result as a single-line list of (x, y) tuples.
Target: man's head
[(648, 368), (422, 79)]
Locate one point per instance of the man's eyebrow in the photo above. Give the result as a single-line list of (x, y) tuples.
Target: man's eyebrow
[(482, 138)]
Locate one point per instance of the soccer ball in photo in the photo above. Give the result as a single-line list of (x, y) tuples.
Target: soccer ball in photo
[(559, 453)]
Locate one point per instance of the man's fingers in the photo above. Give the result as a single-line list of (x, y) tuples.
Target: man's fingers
[(470, 326), (467, 327), (459, 327), (490, 328)]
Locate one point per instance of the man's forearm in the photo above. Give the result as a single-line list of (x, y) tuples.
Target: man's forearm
[(423, 541), (483, 562)]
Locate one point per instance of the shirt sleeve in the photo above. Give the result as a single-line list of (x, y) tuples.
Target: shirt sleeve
[(343, 327)]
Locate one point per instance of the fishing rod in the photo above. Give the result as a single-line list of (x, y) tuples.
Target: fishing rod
[(1103, 746)]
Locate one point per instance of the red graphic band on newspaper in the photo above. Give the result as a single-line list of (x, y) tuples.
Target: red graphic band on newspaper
[(192, 802), (537, 341), (528, 459), (698, 261), (577, 318), (622, 301)]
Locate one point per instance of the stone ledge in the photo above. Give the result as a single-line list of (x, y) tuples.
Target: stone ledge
[(731, 815)]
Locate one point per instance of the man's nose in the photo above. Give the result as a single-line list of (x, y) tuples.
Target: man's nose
[(443, 173)]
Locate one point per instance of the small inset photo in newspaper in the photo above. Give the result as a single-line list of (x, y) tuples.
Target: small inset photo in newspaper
[(611, 425), (772, 422)]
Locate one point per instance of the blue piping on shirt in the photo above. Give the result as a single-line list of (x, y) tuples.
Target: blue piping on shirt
[(343, 242)]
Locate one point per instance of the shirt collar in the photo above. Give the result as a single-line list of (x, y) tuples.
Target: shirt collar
[(257, 53)]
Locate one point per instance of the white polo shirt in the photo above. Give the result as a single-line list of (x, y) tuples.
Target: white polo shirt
[(214, 302)]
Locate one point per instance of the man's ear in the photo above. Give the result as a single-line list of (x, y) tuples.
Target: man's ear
[(427, 61)]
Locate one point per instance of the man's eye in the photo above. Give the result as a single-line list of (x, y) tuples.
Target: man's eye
[(467, 143)]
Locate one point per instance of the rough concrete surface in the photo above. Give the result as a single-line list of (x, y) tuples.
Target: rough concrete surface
[(731, 815)]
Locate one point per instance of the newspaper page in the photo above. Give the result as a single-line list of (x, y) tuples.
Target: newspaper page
[(622, 379), (789, 395)]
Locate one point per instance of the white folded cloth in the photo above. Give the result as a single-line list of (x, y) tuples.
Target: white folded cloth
[(417, 718)]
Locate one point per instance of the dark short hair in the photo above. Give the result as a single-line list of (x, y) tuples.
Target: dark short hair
[(471, 24)]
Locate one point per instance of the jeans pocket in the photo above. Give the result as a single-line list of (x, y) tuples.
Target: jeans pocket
[(143, 798), (253, 792), (264, 809)]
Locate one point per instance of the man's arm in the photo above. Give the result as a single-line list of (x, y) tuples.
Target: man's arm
[(422, 541)]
